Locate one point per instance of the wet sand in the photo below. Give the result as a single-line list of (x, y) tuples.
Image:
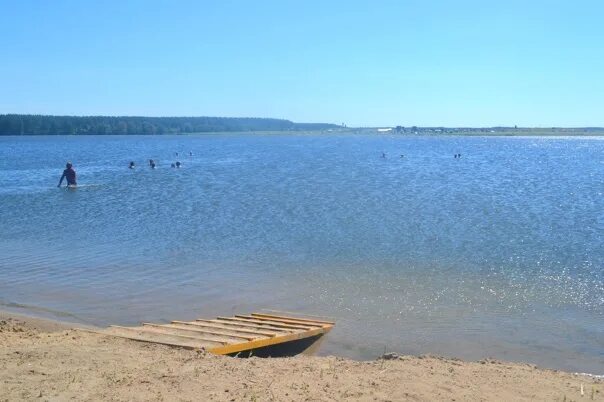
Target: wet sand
[(46, 360)]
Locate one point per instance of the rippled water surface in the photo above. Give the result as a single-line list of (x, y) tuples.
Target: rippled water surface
[(499, 253)]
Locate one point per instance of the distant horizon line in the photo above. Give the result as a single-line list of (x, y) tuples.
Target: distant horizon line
[(499, 126)]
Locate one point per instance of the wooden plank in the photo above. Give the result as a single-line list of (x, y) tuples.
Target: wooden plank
[(287, 321), (227, 328), (179, 332), (274, 323), (283, 317), (259, 324), (228, 349), (148, 336), (127, 333), (158, 342), (203, 331), (250, 325)]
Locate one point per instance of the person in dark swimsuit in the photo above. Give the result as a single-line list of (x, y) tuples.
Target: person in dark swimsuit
[(68, 174)]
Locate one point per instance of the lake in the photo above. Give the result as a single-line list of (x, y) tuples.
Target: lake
[(499, 253)]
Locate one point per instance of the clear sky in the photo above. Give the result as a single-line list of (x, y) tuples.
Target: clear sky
[(364, 63)]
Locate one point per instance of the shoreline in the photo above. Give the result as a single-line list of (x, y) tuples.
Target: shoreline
[(39, 317), (529, 133), (48, 359), (46, 320)]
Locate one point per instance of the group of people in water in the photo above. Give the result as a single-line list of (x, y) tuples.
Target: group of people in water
[(152, 164), (69, 174), (385, 156), (456, 156)]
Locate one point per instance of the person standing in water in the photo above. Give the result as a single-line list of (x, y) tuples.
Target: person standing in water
[(70, 175)]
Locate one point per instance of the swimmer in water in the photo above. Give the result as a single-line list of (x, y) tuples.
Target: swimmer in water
[(68, 174), (172, 165), (131, 165), (152, 163), (178, 164)]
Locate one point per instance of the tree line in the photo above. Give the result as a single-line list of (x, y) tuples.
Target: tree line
[(17, 124)]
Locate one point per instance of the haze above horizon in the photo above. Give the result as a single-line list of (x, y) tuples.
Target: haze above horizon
[(467, 63)]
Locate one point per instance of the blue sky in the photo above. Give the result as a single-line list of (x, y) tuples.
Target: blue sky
[(380, 63)]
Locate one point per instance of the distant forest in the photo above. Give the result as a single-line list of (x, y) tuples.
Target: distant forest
[(16, 124)]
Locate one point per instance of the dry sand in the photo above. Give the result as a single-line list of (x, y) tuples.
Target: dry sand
[(42, 360)]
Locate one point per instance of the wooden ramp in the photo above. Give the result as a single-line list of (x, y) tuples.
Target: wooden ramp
[(257, 334)]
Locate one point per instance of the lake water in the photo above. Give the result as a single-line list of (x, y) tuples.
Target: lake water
[(499, 253)]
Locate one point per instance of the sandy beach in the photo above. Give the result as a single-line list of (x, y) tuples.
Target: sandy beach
[(47, 360)]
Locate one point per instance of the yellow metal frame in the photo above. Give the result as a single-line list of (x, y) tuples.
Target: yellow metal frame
[(261, 343)]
